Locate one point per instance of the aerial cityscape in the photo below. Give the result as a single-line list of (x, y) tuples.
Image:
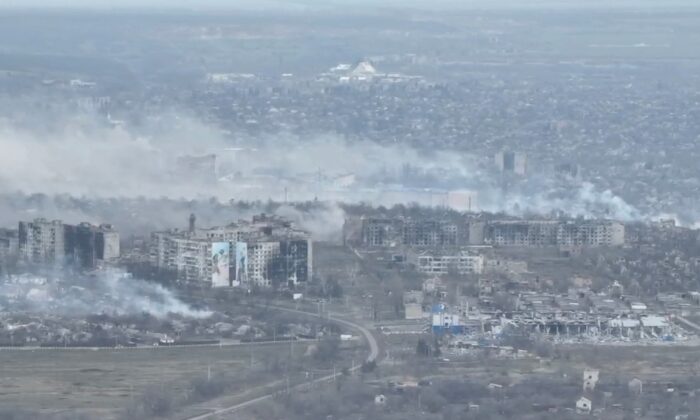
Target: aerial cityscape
[(349, 210)]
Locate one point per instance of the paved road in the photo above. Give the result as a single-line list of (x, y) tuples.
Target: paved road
[(223, 343), (366, 333)]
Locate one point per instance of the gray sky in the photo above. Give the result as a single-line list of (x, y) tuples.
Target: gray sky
[(297, 4)]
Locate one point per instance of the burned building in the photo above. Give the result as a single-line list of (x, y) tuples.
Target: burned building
[(436, 263), (430, 233), (511, 162), (85, 245), (539, 233), (9, 244), (522, 233), (265, 252), (410, 232), (591, 233), (42, 242), (380, 232), (277, 261)]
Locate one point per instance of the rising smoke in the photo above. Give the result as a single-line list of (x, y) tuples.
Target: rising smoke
[(83, 155), (109, 292)]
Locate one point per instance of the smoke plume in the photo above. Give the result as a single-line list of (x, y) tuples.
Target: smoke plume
[(110, 292)]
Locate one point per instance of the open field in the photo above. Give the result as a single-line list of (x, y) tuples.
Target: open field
[(102, 382)]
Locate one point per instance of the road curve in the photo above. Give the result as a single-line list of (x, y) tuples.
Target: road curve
[(367, 334)]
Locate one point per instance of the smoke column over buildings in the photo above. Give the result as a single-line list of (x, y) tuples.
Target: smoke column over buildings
[(85, 156)]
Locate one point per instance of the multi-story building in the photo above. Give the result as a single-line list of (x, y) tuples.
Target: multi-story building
[(591, 233), (460, 262), (267, 252), (9, 243), (509, 161), (380, 232), (454, 232), (429, 233), (42, 242), (189, 258), (278, 261), (555, 233), (55, 243), (522, 233), (408, 232), (87, 244)]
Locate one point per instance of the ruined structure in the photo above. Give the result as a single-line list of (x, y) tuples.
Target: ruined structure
[(264, 252)]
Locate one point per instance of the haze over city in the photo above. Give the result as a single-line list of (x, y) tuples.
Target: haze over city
[(349, 209)]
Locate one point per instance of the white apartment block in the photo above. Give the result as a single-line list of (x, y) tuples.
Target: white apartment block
[(462, 263)]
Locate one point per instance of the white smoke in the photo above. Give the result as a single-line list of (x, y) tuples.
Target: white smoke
[(110, 292), (81, 156), (584, 200)]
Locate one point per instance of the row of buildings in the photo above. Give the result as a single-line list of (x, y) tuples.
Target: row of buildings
[(54, 243), (265, 252), (396, 232), (555, 233)]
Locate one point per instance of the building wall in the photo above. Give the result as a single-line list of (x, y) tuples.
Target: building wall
[(442, 264), (54, 243), (189, 258), (9, 243), (42, 241), (555, 233), (379, 232), (276, 254), (429, 233), (279, 262), (111, 247)]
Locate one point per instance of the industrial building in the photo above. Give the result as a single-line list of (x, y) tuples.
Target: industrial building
[(265, 252), (84, 246)]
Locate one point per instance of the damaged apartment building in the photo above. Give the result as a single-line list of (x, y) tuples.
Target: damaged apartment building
[(53, 243), (265, 252), (570, 233), (382, 232), (399, 231)]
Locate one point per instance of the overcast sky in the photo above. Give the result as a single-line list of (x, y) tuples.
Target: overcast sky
[(297, 4)]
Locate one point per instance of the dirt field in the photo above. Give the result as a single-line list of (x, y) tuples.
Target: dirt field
[(101, 382)]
